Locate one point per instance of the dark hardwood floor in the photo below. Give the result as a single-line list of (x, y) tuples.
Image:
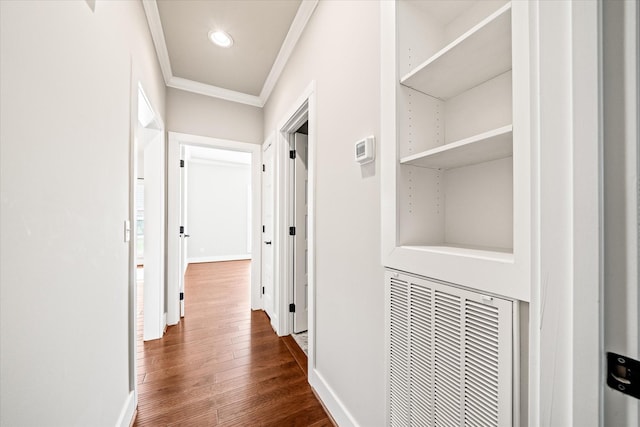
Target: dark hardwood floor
[(223, 365)]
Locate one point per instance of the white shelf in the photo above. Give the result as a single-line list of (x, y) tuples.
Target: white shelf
[(478, 55), (492, 145), (489, 254)]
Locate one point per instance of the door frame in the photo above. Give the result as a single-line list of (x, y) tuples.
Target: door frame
[(304, 109), (293, 221), (621, 204), (175, 142), (565, 383), (135, 89), (155, 321), (154, 317), (274, 314)]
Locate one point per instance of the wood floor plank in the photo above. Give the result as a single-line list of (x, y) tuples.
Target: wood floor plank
[(159, 395), (297, 353), (222, 365)]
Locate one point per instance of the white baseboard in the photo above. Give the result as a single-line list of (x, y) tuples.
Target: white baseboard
[(331, 402), (128, 410), (218, 258)]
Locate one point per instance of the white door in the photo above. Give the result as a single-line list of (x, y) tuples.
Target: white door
[(154, 238), (267, 231), (300, 265)]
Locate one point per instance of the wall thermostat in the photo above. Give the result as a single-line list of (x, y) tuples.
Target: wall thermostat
[(365, 150)]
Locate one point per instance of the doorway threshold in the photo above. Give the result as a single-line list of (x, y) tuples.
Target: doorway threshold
[(296, 351)]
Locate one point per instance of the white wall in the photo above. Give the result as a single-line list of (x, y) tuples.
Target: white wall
[(344, 62), (217, 210), (195, 114), (65, 83)]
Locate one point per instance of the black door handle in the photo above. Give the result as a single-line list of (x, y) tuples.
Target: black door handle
[(268, 242)]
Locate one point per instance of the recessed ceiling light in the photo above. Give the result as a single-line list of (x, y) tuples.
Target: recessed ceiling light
[(220, 38)]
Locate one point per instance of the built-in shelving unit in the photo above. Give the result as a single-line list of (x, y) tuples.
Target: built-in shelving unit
[(457, 202), (454, 182)]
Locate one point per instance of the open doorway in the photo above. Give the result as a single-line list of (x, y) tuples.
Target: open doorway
[(149, 220), (295, 217), (217, 205), (213, 210), (298, 144), (299, 214)]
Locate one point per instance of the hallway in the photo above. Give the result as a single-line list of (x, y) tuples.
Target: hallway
[(222, 364)]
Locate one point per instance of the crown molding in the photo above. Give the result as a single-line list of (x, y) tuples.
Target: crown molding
[(157, 35), (214, 91), (306, 9)]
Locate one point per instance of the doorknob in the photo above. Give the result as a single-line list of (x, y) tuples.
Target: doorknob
[(268, 242)]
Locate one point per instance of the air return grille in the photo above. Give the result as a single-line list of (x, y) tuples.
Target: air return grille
[(399, 347), (450, 355)]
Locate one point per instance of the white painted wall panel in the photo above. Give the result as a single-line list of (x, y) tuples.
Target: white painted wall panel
[(196, 114), (344, 62), (64, 195)]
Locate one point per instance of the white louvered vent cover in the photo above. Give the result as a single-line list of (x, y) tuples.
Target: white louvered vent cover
[(450, 354)]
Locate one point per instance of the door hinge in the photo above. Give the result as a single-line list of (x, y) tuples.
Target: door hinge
[(181, 163), (263, 290), (263, 168), (292, 231), (181, 231), (292, 308), (263, 229), (292, 154), (181, 296)]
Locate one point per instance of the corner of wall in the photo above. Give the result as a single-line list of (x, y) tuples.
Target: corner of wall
[(128, 412), (332, 403)]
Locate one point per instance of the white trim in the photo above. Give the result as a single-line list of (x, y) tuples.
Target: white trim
[(214, 91), (587, 322), (224, 163), (157, 34), (175, 140), (306, 9), (330, 400), (128, 410), (205, 141), (388, 130), (536, 234), (135, 88), (273, 314), (218, 258), (565, 266), (304, 105)]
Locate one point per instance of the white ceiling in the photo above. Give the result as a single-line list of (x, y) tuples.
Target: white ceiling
[(264, 34)]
